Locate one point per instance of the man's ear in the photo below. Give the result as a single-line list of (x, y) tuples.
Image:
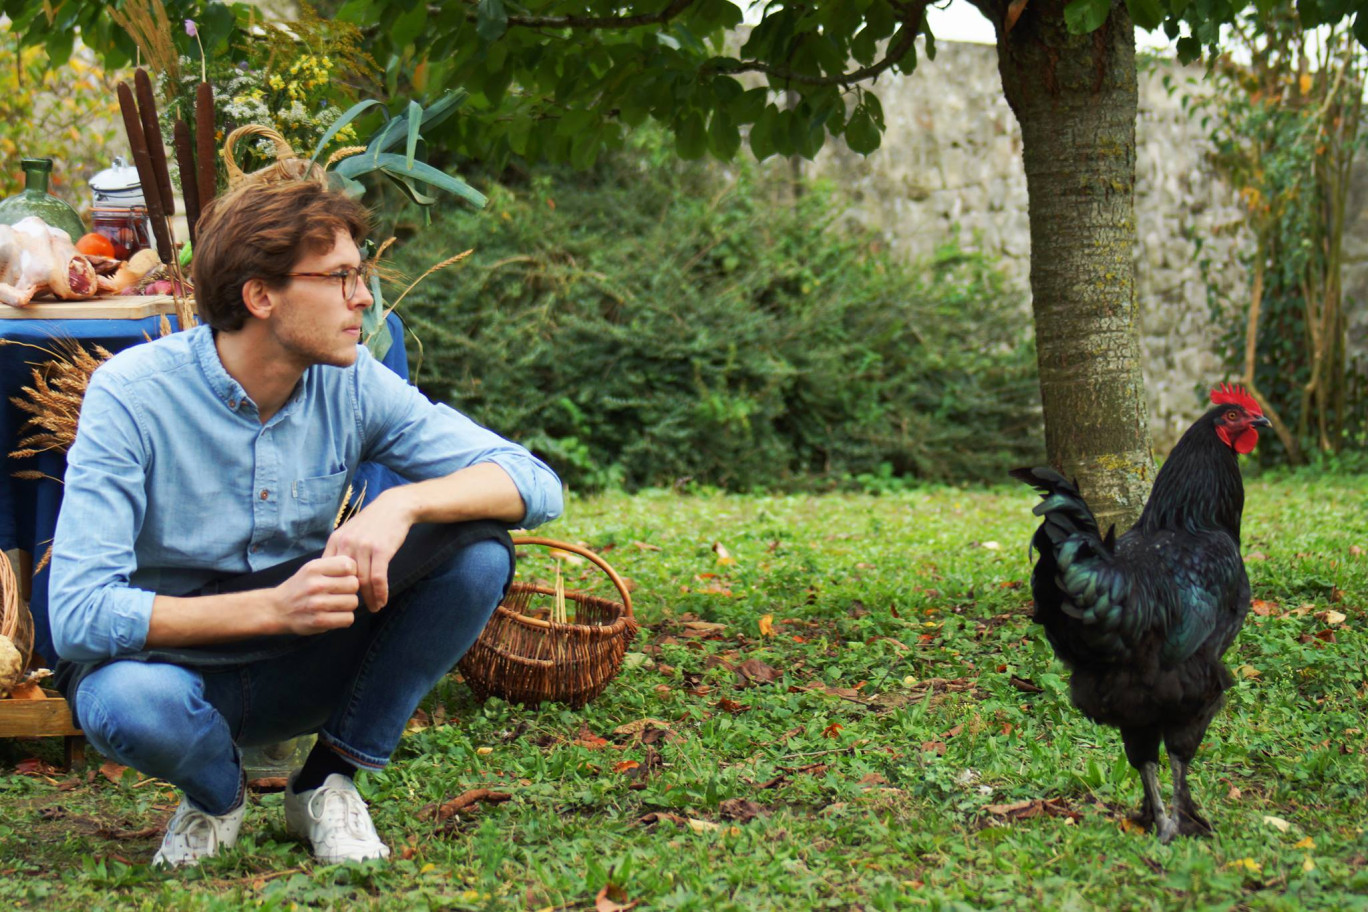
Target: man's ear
[(257, 298)]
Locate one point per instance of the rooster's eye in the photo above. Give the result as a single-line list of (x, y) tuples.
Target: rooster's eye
[(1232, 415)]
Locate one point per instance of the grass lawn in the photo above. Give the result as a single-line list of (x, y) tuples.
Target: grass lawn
[(901, 738)]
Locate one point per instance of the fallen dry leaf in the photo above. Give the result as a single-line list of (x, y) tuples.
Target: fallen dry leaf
[(723, 555), (1277, 823), (767, 625), (662, 817), (754, 671), (639, 727), (702, 826), (1247, 671), (1256, 556), (731, 706), (742, 810), (702, 629), (1025, 685), (1037, 807), (612, 898), (112, 771), (1332, 617), (1356, 551), (646, 546), (1262, 608)]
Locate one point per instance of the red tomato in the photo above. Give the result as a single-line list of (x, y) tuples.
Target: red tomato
[(95, 245)]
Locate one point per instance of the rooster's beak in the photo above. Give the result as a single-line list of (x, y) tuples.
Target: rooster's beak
[(1260, 422)]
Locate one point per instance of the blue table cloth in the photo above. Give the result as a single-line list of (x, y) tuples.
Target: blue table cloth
[(28, 508)]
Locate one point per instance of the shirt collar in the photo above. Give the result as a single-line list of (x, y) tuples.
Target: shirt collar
[(226, 389)]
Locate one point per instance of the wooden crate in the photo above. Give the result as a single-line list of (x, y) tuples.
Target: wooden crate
[(47, 718)]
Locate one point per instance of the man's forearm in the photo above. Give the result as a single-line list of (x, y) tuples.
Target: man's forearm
[(482, 491), (207, 619)]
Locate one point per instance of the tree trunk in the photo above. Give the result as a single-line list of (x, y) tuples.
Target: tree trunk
[(1076, 101)]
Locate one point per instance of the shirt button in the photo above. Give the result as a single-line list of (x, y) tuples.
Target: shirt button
[(265, 494), (232, 403)]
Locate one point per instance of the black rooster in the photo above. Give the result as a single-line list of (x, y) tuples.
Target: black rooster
[(1143, 620)]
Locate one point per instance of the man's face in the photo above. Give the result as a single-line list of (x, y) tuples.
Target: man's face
[(312, 322)]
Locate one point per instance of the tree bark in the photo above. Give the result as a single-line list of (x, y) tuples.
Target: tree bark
[(1075, 98)]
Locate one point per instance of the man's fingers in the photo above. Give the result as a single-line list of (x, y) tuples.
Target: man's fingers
[(379, 582), (336, 565)]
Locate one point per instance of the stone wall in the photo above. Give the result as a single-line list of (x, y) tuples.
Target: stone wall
[(951, 159)]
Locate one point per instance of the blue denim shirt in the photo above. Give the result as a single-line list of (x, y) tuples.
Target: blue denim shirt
[(173, 480)]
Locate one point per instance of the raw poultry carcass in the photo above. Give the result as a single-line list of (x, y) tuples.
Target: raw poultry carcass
[(37, 259)]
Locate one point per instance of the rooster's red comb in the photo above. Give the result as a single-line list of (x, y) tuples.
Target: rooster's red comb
[(1232, 394)]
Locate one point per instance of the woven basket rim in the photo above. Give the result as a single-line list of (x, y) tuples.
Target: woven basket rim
[(616, 626)]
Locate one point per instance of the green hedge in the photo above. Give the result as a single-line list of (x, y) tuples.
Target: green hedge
[(646, 325)]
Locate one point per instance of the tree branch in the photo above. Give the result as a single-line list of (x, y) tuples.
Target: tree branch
[(912, 20), (596, 22)]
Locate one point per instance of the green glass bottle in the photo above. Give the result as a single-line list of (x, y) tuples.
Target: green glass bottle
[(35, 200)]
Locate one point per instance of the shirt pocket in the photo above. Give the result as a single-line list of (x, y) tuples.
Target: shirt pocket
[(315, 502)]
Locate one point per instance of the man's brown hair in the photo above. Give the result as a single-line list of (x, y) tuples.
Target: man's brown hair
[(260, 231)]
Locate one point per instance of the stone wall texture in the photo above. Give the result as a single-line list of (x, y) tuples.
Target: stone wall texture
[(951, 161)]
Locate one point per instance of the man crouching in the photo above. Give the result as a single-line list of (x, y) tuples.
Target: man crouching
[(201, 600)]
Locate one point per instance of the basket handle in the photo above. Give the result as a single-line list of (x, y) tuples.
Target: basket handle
[(588, 555)]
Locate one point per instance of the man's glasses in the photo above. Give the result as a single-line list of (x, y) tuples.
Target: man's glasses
[(350, 278)]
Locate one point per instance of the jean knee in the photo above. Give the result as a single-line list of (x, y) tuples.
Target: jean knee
[(482, 571), (142, 713)]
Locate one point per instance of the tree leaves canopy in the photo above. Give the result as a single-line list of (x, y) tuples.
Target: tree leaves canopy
[(564, 80)]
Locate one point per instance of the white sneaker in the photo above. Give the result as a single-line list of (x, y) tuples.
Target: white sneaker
[(193, 834), (335, 821)]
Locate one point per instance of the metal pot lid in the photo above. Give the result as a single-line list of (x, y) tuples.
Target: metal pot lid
[(116, 179)]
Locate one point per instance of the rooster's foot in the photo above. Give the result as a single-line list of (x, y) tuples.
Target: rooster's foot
[(1191, 823), (1167, 830)]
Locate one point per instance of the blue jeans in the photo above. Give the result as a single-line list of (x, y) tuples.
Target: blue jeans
[(356, 687)]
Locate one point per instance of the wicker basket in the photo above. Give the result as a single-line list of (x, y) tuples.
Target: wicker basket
[(527, 659), (15, 620)]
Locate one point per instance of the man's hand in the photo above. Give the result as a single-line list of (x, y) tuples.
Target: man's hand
[(371, 538), (320, 596)]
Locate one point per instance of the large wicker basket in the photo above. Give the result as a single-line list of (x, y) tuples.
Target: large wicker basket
[(527, 659), (15, 620)]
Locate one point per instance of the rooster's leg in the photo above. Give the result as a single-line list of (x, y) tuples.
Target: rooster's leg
[(1182, 742), (1165, 827), (1142, 749), (1190, 821)]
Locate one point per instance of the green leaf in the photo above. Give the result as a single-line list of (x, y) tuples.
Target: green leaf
[(723, 136), (347, 117), (1146, 13), (762, 134), (747, 107), (415, 120), (691, 139), (409, 25), (397, 166), (374, 327), (491, 20), (1083, 16), (861, 134)]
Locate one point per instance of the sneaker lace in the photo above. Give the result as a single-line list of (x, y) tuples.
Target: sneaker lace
[(343, 808), (195, 825)]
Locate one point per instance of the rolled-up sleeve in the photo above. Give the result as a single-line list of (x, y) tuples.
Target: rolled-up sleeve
[(419, 439), (95, 614)]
